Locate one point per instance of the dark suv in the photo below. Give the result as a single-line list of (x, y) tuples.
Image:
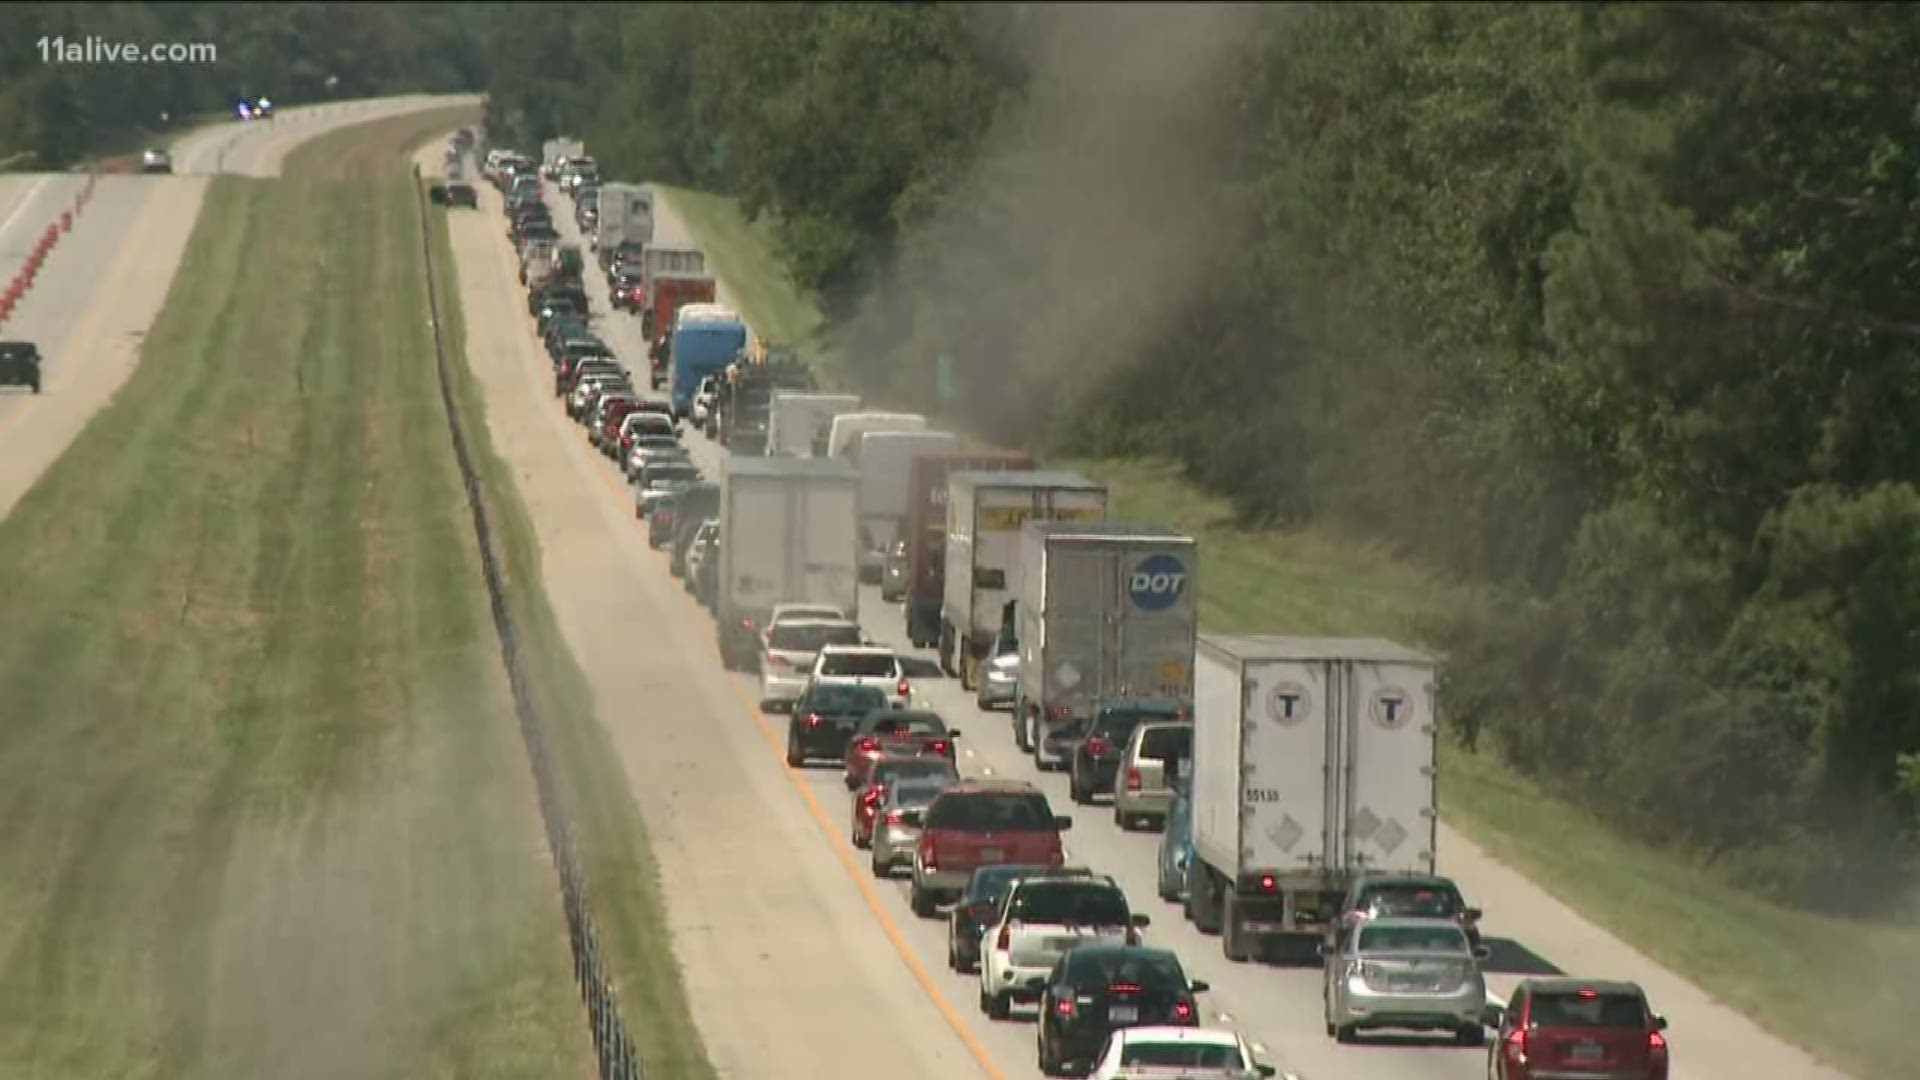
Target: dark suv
[(1095, 763), (1097, 989), (979, 823), (20, 364)]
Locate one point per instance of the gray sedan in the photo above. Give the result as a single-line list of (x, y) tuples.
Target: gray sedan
[(1417, 974), (896, 827)]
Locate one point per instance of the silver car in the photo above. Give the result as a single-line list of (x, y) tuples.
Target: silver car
[(1417, 974), (1143, 792), (896, 826), (1000, 676)]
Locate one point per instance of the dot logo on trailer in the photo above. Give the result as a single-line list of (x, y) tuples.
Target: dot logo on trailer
[(1157, 582), (1288, 703), (1391, 707)]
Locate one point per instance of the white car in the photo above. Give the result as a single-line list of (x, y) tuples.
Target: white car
[(1041, 916), (650, 448), (869, 665), (805, 612), (787, 657), (1199, 1053), (703, 396), (156, 161)]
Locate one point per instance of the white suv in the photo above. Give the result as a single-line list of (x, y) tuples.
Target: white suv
[(868, 665), (786, 659), (1041, 917)]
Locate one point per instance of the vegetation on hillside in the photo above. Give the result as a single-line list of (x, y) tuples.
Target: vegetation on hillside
[(1605, 308), (62, 110)]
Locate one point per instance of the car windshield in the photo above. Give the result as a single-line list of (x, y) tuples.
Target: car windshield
[(1437, 939), (845, 699), (1588, 1009), (992, 811), (915, 793), (1101, 967), (810, 613), (992, 882), (1416, 902), (1181, 1055), (811, 637), (885, 721), (1080, 903), (858, 665), (892, 770)]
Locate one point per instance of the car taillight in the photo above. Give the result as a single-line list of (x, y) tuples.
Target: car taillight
[(1096, 746), (929, 852), (1063, 1008), (1182, 1011), (872, 795), (1133, 779), (896, 816), (746, 622), (1517, 1044), (1124, 988), (1656, 1042), (901, 688), (1266, 883), (939, 746), (867, 745), (813, 719), (1059, 712)]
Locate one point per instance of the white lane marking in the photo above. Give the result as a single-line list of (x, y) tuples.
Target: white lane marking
[(25, 201), (1224, 1018), (984, 771), (970, 753), (1258, 1049)]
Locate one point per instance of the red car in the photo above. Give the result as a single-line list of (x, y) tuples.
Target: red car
[(896, 733), (978, 823), (866, 801), (1560, 1027)]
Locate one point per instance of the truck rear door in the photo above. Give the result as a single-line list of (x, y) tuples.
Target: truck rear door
[(755, 545), (826, 529), (1286, 747), (1152, 632), (1389, 803), (1079, 596)]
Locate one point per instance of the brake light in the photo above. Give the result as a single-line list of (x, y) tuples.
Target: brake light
[(901, 688), (866, 745), (746, 622), (1182, 1011), (1058, 712), (929, 853), (813, 719), (873, 794), (1124, 988), (1517, 1044), (1063, 1007), (1133, 779), (1096, 746), (896, 816), (939, 746), (1656, 1042), (1587, 993), (1266, 883), (1005, 940)]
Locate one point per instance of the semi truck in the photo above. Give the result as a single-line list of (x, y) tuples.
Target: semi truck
[(799, 423), (884, 460), (843, 438), (555, 153), (705, 339), (985, 513), (1105, 612), (1313, 763), (740, 412), (668, 293), (927, 529), (788, 532), (680, 264), (626, 222)]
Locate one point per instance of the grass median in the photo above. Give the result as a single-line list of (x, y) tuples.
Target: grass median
[(1826, 984), (263, 807), (608, 829)]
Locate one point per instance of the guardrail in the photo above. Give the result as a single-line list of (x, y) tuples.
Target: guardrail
[(614, 1051)]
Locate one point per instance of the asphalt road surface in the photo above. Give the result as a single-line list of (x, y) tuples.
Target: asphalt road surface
[(798, 961), (104, 282)]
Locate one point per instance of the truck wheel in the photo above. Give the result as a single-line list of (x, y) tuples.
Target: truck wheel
[(1346, 1033), (921, 901), (946, 649), (1203, 901), (969, 668), (1074, 791), (999, 1006), (1233, 939)]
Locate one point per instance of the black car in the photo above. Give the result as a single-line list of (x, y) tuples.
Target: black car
[(1096, 757), (463, 195), (1401, 896), (977, 905), (1097, 989), (20, 364), (824, 718), (555, 306), (695, 505), (537, 298)]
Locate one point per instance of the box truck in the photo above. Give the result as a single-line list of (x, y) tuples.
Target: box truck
[(884, 458), (799, 422), (927, 529), (1105, 612), (843, 438), (788, 534), (626, 222), (1313, 762), (985, 512)]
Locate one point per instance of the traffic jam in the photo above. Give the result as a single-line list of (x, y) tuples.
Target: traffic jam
[(1282, 787)]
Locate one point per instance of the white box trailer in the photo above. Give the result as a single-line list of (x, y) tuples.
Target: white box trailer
[(985, 513), (1105, 612), (843, 438), (885, 459), (626, 218), (800, 423), (789, 532), (1313, 762), (555, 152)]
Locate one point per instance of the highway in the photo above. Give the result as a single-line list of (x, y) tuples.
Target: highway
[(773, 909), (100, 289)]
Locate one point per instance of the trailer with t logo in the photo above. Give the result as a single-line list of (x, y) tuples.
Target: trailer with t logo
[(1104, 612), (1313, 764)]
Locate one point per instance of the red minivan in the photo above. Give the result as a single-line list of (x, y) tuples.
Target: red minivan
[(1570, 1027), (981, 822)]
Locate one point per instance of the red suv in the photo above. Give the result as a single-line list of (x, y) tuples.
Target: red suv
[(1556, 1028), (978, 823)]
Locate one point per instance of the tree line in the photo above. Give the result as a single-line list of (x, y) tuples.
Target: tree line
[(55, 113), (1607, 308)]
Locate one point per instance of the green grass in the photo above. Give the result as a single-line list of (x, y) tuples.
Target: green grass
[(608, 829), (263, 807), (1828, 985)]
